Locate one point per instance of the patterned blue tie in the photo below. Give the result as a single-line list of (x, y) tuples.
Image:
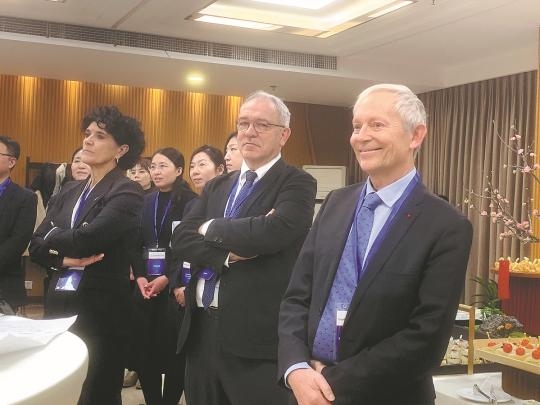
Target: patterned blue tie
[(345, 281), (232, 212)]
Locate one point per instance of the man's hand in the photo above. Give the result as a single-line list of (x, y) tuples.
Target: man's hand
[(154, 287), (142, 283), (179, 295), (82, 262), (310, 387), (235, 258), (317, 365)]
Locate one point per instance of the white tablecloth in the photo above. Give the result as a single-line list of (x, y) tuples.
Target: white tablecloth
[(446, 387), (47, 375)]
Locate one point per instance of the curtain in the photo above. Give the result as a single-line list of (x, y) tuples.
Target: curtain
[(462, 151)]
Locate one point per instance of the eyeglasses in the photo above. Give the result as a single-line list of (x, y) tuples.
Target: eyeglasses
[(6, 154), (258, 126)]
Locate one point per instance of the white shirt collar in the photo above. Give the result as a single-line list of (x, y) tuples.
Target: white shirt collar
[(261, 171)]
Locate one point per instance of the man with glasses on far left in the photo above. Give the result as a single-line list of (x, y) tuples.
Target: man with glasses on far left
[(17, 220)]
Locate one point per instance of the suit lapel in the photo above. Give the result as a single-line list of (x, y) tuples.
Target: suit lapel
[(228, 187), (261, 186), (96, 195), (9, 194), (341, 216), (404, 219)]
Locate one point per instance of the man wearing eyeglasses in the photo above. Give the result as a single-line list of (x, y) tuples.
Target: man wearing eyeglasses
[(242, 238), (17, 220)]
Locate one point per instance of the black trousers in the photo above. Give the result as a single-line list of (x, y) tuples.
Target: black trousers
[(173, 383), (216, 377), (103, 383)]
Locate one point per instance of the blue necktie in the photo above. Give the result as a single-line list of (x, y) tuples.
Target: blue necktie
[(345, 282), (232, 212)]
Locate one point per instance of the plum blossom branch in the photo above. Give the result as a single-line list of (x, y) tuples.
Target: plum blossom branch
[(492, 203)]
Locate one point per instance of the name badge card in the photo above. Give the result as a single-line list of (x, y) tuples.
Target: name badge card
[(206, 274), (186, 273), (70, 279), (156, 263), (341, 314)]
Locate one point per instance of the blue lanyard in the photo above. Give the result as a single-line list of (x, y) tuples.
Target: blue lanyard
[(82, 201), (167, 208), (380, 237), (5, 184)]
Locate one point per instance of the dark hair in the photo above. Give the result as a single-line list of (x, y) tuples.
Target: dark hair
[(180, 186), (174, 155), (144, 163), (125, 131), (13, 147), (231, 136), (213, 153), (74, 153)]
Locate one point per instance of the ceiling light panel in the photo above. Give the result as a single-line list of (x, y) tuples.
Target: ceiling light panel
[(306, 4), (295, 17)]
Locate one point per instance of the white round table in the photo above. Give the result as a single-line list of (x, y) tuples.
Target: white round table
[(48, 375)]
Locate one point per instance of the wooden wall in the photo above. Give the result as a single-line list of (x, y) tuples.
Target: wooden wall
[(43, 115)]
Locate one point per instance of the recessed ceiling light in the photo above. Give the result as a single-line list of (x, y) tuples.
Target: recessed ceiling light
[(310, 4), (195, 78), (236, 23)]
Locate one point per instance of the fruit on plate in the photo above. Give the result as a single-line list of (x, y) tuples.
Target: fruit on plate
[(520, 351), (536, 354), (507, 347)]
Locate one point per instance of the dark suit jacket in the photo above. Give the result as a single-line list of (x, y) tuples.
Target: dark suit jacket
[(250, 290), (147, 235), (17, 221), (108, 223), (400, 317)]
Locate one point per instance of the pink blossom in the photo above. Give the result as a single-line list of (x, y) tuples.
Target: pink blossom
[(484, 213), (526, 169), (513, 138), (520, 151), (532, 154), (517, 136)]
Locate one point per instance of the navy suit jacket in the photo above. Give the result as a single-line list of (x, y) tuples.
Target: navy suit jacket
[(250, 290), (17, 221), (401, 315)]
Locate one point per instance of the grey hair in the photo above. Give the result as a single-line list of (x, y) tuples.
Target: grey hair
[(281, 108), (407, 105)]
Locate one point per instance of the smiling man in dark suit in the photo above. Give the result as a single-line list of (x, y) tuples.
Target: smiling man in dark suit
[(17, 220), (242, 237), (375, 290)]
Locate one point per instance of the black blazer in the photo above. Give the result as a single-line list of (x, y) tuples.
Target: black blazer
[(250, 290), (147, 235), (17, 221), (108, 224), (401, 315)]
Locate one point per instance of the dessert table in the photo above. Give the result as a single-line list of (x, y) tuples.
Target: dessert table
[(447, 387), (47, 375)]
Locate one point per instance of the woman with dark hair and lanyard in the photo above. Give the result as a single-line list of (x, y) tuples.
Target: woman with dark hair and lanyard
[(89, 235), (157, 315)]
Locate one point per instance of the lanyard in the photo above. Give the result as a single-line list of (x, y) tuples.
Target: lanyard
[(157, 232), (360, 263), (80, 203), (5, 184)]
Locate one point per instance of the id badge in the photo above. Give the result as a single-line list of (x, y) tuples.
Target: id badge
[(186, 273), (70, 279), (341, 314), (156, 263)]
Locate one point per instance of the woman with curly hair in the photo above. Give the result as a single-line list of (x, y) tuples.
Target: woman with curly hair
[(89, 235)]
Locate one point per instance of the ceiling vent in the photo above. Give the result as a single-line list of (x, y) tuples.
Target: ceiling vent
[(170, 44)]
